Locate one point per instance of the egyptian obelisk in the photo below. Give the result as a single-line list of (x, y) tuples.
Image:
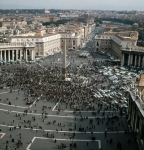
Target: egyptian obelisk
[(64, 61)]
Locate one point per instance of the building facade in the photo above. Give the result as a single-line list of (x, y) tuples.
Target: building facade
[(44, 44), (28, 47), (133, 56), (114, 41), (17, 51), (123, 45), (49, 40), (136, 110), (72, 41)]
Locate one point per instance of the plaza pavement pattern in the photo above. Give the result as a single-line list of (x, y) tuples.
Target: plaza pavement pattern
[(74, 130)]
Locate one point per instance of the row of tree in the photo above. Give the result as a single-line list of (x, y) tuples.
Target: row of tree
[(125, 21), (57, 23)]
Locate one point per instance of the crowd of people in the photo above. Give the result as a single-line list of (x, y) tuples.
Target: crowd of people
[(46, 84)]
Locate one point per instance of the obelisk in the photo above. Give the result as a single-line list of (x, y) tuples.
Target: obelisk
[(64, 61)]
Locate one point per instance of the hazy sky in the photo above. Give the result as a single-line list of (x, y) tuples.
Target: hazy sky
[(74, 4)]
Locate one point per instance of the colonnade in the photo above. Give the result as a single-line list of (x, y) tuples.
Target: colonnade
[(135, 119), (15, 55), (136, 60)]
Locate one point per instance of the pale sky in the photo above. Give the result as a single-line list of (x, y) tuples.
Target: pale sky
[(74, 4)]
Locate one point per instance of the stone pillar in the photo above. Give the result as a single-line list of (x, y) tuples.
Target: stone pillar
[(8, 55), (64, 61), (143, 62), (20, 54), (26, 55), (140, 128), (32, 55), (129, 59), (5, 55), (122, 61), (135, 60), (13, 55), (0, 55), (129, 109), (132, 116), (136, 120)]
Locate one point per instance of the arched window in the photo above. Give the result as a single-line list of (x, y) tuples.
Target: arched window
[(97, 44)]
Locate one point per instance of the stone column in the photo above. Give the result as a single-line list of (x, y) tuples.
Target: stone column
[(132, 116), (64, 61), (5, 55), (136, 120), (13, 55), (130, 109), (32, 57), (122, 61), (140, 128), (0, 55), (20, 52), (135, 60), (143, 62), (26, 55), (8, 55), (129, 60)]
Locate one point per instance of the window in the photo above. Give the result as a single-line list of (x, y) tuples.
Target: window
[(73, 42)]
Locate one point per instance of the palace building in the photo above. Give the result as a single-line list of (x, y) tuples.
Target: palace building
[(123, 45), (38, 45)]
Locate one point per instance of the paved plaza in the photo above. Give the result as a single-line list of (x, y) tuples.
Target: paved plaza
[(39, 111)]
